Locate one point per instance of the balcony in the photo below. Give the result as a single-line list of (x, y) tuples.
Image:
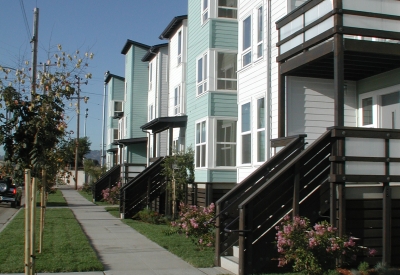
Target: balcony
[(340, 40)]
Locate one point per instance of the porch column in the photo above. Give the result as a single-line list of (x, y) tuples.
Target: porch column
[(338, 64), (281, 104), (154, 145), (170, 140)]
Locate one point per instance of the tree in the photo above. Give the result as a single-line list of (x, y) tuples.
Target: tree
[(35, 122), (67, 150)]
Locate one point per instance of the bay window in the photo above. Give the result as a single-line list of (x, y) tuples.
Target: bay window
[(260, 25), (226, 71), (246, 133), (246, 41), (201, 132), (202, 74), (227, 8), (226, 143)]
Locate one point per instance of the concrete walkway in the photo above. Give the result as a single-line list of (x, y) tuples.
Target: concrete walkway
[(121, 249)]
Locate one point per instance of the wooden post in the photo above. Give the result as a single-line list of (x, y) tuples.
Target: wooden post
[(387, 218), (296, 192), (33, 227), (281, 104), (27, 220), (338, 66), (42, 210)]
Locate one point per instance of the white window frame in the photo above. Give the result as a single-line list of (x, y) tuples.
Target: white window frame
[(260, 32), (246, 52), (228, 144), (245, 133), (113, 135), (227, 8), (179, 57), (203, 83), (234, 80), (199, 142), (260, 129), (205, 11), (177, 100), (150, 75), (151, 114), (113, 107)]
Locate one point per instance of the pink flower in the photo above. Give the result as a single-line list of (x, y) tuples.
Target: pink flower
[(372, 252)]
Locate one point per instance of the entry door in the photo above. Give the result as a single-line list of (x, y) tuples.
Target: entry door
[(390, 111)]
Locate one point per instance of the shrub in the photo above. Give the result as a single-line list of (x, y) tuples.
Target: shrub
[(312, 250), (195, 222), (363, 267), (111, 195), (149, 216)]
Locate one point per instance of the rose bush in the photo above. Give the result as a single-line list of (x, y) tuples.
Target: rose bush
[(111, 195), (195, 223), (313, 250)]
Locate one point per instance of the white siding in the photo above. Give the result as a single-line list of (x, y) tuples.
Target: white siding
[(310, 106)]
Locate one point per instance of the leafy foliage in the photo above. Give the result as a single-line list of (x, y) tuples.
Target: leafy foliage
[(313, 250), (34, 122), (195, 223), (149, 216), (111, 195)]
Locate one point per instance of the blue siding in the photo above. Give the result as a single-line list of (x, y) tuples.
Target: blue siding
[(118, 89), (224, 34), (137, 153), (201, 175), (222, 176), (224, 104)]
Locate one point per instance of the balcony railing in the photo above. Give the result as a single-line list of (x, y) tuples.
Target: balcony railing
[(318, 20)]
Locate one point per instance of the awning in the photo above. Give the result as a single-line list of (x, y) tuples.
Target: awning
[(129, 141), (160, 124)]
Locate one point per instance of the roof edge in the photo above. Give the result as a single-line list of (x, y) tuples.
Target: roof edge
[(166, 34), (153, 51), (129, 43)]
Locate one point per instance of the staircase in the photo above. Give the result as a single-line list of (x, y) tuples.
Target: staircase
[(313, 183), (107, 180), (147, 189)]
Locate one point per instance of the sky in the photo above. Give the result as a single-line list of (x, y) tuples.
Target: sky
[(98, 26)]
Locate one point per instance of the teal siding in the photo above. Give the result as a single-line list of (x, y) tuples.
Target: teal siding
[(222, 176), (224, 34), (198, 43), (135, 109), (201, 176), (379, 81), (137, 153), (223, 104), (118, 89)]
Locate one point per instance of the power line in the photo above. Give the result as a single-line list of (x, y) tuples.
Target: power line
[(25, 19)]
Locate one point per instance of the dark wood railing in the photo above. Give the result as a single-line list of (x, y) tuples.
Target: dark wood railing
[(227, 210), (106, 181), (143, 189), (298, 182)]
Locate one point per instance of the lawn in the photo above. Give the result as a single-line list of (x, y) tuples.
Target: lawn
[(65, 247), (177, 244), (89, 197)]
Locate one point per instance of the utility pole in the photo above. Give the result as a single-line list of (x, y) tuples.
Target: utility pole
[(86, 115), (104, 119), (34, 50), (77, 128)]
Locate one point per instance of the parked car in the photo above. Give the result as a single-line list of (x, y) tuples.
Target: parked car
[(10, 193)]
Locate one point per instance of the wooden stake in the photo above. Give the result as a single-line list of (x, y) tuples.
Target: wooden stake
[(42, 209), (33, 227), (27, 219)]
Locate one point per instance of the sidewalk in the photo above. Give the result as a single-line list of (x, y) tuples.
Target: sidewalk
[(121, 249)]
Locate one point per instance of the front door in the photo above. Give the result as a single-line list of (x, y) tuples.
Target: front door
[(390, 111)]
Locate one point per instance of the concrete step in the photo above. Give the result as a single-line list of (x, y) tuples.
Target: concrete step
[(236, 251), (230, 263)]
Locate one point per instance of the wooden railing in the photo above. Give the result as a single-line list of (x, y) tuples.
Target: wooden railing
[(142, 190), (106, 181), (227, 210)]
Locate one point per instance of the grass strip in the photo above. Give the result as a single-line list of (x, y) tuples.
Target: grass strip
[(177, 244), (89, 197), (54, 199), (65, 246)]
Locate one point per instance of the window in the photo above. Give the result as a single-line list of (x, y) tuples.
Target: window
[(202, 69), (227, 8), (117, 108), (260, 25), (226, 143), (151, 112), (294, 4), (226, 71), (246, 42), (150, 75), (261, 130), (204, 11), (179, 47), (177, 100), (367, 117), (246, 134), (201, 144), (115, 135)]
